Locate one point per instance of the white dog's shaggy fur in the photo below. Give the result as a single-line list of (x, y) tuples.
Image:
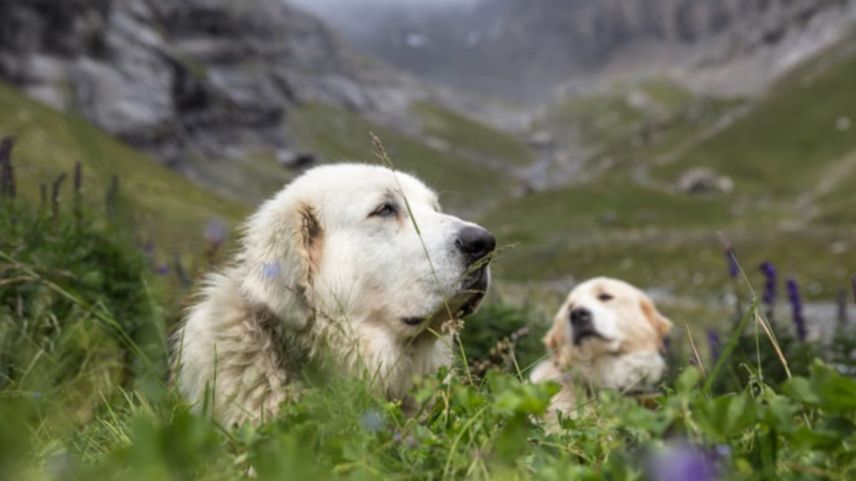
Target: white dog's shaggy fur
[(333, 266), (607, 335)]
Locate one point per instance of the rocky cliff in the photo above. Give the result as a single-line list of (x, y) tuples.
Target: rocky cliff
[(189, 77)]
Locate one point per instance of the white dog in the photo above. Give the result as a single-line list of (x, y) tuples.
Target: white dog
[(353, 263), (607, 335)]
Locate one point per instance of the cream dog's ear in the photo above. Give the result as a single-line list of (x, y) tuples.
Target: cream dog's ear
[(556, 336), (661, 323), (282, 250)]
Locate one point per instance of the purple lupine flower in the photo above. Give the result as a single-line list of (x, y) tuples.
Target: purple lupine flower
[(771, 286), (770, 283), (797, 308), (683, 463), (55, 190), (714, 344), (733, 267), (162, 269), (77, 191), (7, 173)]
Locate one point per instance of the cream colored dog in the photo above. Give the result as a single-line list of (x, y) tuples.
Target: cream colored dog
[(607, 335), (333, 266)]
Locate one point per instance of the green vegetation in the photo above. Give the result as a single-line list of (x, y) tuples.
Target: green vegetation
[(84, 320), (83, 395), (466, 135), (785, 143), (167, 208), (339, 135)]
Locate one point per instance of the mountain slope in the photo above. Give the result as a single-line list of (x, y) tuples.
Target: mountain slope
[(792, 158), (190, 78), (168, 209)]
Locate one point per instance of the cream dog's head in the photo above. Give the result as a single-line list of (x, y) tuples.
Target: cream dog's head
[(607, 327), (364, 244)]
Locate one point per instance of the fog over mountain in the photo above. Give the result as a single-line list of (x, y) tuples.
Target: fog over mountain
[(523, 49)]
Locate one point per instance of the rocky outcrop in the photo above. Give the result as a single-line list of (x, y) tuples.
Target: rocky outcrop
[(188, 77)]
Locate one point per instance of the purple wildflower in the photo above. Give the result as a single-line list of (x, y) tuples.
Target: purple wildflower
[(77, 191), (733, 267), (7, 173), (215, 233), (271, 270), (683, 463), (714, 344), (55, 191), (797, 308), (162, 269), (148, 250), (770, 287)]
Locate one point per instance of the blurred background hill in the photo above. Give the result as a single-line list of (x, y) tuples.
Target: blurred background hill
[(595, 137)]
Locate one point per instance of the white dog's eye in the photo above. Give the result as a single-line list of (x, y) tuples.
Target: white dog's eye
[(605, 297), (387, 209)]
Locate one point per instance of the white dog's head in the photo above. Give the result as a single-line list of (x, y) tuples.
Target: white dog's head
[(364, 243), (607, 318)]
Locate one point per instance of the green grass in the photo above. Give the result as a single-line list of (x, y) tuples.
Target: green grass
[(84, 392), (783, 145), (252, 178), (609, 120), (608, 205), (69, 413), (168, 208), (338, 135), (469, 136)]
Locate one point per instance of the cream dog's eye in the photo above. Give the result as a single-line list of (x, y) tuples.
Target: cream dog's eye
[(387, 209), (605, 297)]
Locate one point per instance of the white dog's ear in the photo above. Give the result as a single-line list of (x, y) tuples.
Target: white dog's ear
[(281, 255), (661, 323)]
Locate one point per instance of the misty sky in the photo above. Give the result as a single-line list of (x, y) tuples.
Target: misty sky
[(323, 5)]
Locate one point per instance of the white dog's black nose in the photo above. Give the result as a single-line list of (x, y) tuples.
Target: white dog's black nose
[(581, 319), (475, 243)]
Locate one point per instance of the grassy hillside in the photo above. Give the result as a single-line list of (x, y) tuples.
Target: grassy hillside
[(167, 208), (791, 154), (465, 181)]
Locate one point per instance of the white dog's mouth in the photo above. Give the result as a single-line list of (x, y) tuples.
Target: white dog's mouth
[(462, 304)]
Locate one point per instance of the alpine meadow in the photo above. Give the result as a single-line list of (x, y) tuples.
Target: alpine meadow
[(702, 152)]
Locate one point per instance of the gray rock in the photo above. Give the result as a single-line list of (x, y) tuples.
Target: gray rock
[(702, 180), (208, 78)]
